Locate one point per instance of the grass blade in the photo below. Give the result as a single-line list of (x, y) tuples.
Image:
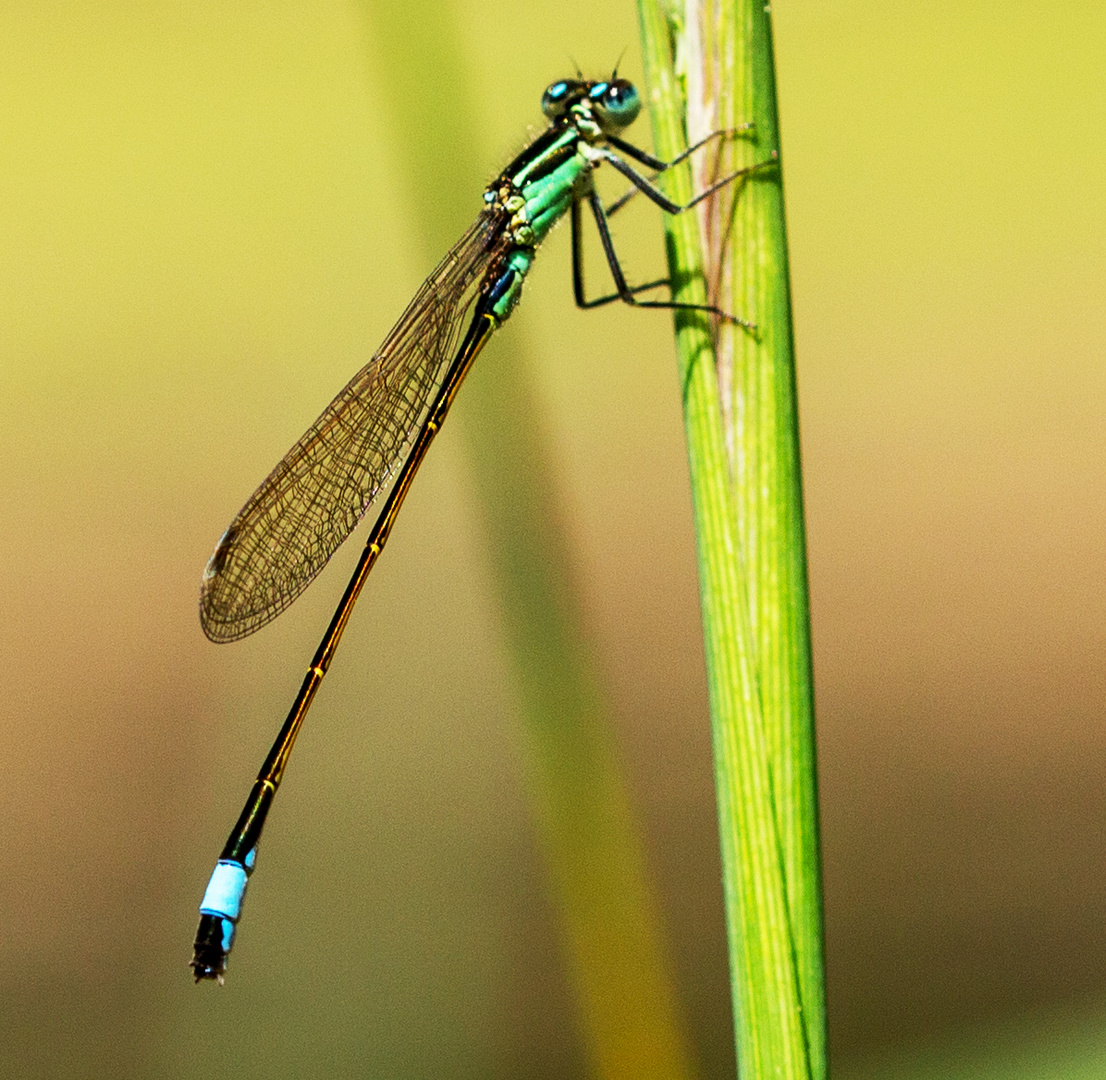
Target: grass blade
[(742, 433)]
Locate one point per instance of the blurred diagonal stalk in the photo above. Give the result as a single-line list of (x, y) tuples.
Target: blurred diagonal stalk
[(626, 1003), (743, 451)]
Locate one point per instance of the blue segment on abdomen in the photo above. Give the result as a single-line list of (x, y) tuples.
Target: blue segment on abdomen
[(508, 288), (225, 891)]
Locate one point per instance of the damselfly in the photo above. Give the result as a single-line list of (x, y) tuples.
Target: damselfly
[(377, 430)]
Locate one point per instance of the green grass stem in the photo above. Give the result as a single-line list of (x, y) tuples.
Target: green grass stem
[(743, 451)]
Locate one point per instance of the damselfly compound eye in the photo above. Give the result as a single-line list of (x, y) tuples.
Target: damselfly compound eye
[(616, 103), (555, 100)]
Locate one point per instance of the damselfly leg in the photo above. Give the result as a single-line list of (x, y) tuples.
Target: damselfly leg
[(624, 292)]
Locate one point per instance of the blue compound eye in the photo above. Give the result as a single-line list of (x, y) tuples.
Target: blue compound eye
[(555, 100), (616, 103)]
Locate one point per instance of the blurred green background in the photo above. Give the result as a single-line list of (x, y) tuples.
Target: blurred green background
[(206, 228)]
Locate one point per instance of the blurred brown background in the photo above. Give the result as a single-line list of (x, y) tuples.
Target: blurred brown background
[(206, 230)]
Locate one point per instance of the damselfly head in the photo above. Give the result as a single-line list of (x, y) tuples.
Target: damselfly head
[(613, 102)]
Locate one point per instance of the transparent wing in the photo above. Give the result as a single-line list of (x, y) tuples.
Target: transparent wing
[(324, 485)]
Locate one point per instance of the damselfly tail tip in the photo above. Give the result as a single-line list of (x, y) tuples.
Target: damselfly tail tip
[(203, 969), (209, 952)]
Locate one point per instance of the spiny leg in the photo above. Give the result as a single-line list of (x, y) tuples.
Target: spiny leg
[(625, 292), (643, 157), (655, 195), (578, 269), (658, 166)]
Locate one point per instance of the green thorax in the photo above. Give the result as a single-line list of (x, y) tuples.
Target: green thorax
[(538, 187)]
